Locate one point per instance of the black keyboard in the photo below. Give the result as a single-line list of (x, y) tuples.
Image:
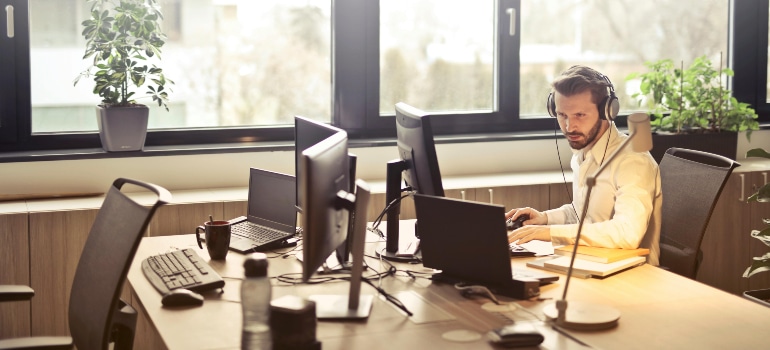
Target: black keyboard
[(180, 269), (257, 233)]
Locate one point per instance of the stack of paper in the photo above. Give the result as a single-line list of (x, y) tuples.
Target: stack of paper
[(591, 261), (585, 268), (601, 255)]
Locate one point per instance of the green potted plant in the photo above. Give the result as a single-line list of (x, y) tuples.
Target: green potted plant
[(759, 263), (693, 101), (124, 40)]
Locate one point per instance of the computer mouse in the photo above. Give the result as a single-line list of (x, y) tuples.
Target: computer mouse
[(182, 297), (516, 335), (514, 224)]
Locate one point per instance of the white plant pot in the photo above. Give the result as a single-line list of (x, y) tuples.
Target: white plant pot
[(122, 128)]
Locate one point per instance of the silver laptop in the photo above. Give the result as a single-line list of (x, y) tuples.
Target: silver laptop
[(272, 214)]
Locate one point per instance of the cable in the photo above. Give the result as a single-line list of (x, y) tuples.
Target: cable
[(292, 279), (475, 289), (609, 131), (558, 154), (376, 223)]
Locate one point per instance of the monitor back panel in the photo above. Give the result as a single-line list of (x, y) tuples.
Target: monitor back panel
[(465, 240)]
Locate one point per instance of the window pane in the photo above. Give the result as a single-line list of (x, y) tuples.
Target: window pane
[(437, 55), (234, 62), (615, 37)]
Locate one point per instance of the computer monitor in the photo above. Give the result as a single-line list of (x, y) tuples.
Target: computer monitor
[(327, 201), (417, 166), (307, 133)]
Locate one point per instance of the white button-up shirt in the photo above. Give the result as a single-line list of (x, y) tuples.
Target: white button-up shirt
[(624, 207)]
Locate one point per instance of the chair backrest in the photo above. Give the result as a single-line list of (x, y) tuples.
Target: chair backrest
[(104, 263), (691, 182)]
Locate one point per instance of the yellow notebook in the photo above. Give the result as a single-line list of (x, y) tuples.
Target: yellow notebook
[(601, 255)]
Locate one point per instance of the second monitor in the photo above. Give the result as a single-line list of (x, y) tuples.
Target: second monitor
[(417, 166)]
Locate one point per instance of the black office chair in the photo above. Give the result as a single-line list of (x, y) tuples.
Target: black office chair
[(97, 316), (691, 182)]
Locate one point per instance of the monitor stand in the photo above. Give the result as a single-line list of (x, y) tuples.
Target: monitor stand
[(408, 249), (393, 250), (353, 305)]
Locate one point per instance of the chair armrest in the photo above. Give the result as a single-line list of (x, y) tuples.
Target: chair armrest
[(40, 343), (15, 292)]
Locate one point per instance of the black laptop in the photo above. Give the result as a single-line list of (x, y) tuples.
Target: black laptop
[(468, 242), (272, 214)]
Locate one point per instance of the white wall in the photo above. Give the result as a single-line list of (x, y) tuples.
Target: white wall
[(231, 170)]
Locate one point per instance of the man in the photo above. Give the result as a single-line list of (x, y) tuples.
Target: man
[(624, 208)]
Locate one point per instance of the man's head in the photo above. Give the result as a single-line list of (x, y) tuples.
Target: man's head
[(580, 99)]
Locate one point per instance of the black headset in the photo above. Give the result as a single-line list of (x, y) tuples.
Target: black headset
[(608, 107)]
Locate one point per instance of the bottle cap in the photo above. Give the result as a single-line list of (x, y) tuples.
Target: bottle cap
[(255, 265)]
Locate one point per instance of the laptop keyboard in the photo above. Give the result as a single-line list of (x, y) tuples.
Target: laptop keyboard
[(517, 250), (257, 233)]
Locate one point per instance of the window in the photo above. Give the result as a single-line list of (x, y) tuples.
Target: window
[(244, 68), (437, 54), (615, 38), (235, 63)]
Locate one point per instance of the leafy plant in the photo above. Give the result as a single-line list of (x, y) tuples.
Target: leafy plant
[(121, 36), (760, 263), (692, 100)]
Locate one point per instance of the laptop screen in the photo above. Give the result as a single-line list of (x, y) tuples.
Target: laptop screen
[(271, 199)]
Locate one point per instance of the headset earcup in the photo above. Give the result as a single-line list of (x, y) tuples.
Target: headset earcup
[(613, 107), (550, 105)]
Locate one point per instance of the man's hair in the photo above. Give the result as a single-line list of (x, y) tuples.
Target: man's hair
[(578, 79)]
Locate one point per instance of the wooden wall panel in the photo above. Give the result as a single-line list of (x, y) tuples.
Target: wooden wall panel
[(14, 269), (180, 219), (235, 209), (535, 196), (146, 336), (56, 242), (559, 194), (725, 243), (376, 204)]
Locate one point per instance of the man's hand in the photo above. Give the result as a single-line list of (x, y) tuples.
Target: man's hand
[(530, 232), (535, 217), (532, 229)]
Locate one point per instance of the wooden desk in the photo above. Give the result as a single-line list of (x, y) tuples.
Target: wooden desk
[(659, 310)]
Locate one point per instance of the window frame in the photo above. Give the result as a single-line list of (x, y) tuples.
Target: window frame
[(748, 44), (12, 60), (355, 85)]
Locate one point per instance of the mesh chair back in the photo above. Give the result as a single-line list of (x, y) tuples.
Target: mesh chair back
[(104, 263), (691, 182)]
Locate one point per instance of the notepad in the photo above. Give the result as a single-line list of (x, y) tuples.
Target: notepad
[(585, 268), (601, 255)]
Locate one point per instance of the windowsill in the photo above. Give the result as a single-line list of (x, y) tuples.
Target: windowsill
[(248, 147)]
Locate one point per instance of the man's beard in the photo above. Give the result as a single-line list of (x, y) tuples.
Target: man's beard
[(590, 138)]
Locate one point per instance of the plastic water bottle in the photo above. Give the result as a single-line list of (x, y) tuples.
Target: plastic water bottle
[(255, 302)]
